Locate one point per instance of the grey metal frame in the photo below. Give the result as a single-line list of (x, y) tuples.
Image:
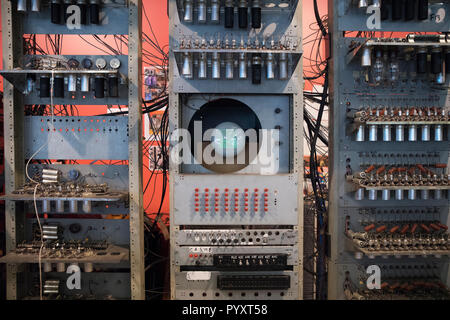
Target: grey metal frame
[(347, 90), (180, 182), (131, 24)]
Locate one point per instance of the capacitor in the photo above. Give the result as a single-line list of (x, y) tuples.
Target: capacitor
[(73, 206), (421, 57), (21, 5), (270, 67), (48, 177), (256, 69), (229, 66), (201, 11), (425, 194), (59, 206), (82, 4), (438, 133), (52, 172), (362, 4), (100, 63), (215, 11), (411, 194), (412, 133), (447, 61), (386, 133), (386, 194), (373, 133), (410, 10), (88, 267), (399, 133), (373, 194), (47, 267), (99, 87), (67, 14), (366, 57), (46, 206), (360, 133), (242, 65), (243, 14), (229, 13), (397, 9), (44, 86), (35, 5), (87, 206), (359, 194), (256, 14), (215, 65), (71, 83), (283, 66), (94, 11), (426, 132), (58, 86), (85, 79), (384, 10), (31, 78), (113, 85), (437, 62), (399, 194), (202, 66), (61, 267), (422, 13), (186, 70), (437, 194), (55, 11), (84, 83)]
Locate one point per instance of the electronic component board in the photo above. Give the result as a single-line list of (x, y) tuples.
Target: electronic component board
[(389, 148), (71, 209), (236, 94)]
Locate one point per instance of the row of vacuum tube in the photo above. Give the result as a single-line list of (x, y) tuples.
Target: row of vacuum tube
[(398, 9), (60, 8), (256, 63), (384, 64), (399, 129), (58, 84), (229, 12)]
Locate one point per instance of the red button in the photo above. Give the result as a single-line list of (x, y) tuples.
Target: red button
[(196, 204), (191, 255), (196, 210), (266, 194), (246, 209), (206, 200), (226, 194), (246, 194), (265, 209), (216, 194), (226, 209), (256, 189), (265, 190), (196, 194), (246, 199), (206, 195), (217, 209), (216, 190), (226, 189), (216, 204), (196, 189), (206, 189), (195, 255), (236, 189), (246, 189)]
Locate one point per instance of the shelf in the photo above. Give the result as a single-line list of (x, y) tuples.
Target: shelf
[(113, 254)]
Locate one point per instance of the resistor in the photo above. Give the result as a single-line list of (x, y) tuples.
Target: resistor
[(381, 229), (394, 229), (404, 229), (414, 227), (369, 227), (424, 227)]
